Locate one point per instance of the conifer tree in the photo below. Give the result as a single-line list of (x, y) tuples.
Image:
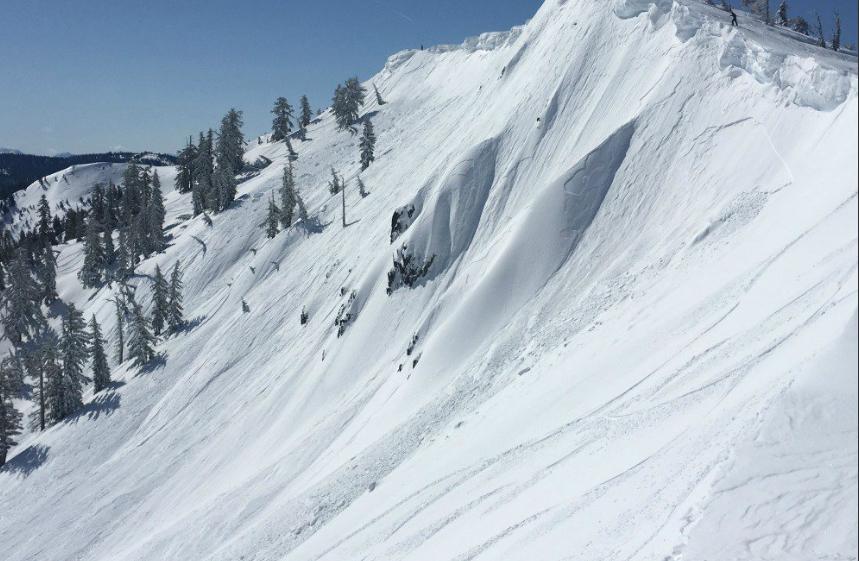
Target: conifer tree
[(821, 39), (100, 368), (155, 215), (287, 196), (306, 113), (225, 188), (379, 99), (109, 252), (367, 145), (124, 265), (836, 33), (782, 17), (93, 267), (347, 103), (45, 221), (42, 363), (46, 273), (175, 313), (272, 219), (335, 184), (203, 170), (281, 125), (66, 393), (22, 314), (97, 203), (141, 340), (159, 302), (230, 151), (185, 166), (10, 417), (362, 189)]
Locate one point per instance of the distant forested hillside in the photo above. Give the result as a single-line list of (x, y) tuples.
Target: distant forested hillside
[(17, 171)]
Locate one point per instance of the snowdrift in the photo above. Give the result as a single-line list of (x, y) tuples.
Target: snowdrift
[(637, 339)]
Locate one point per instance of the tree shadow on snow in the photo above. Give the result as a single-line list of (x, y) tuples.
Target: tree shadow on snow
[(27, 461), (102, 403), (192, 324), (58, 309), (157, 363)]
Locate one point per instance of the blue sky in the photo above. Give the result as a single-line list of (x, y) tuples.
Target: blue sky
[(92, 75)]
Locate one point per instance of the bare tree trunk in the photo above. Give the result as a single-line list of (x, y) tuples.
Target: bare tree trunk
[(343, 193)]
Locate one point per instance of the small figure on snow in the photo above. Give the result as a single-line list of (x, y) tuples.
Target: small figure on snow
[(733, 17)]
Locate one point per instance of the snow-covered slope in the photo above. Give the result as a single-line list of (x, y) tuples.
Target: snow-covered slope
[(636, 341)]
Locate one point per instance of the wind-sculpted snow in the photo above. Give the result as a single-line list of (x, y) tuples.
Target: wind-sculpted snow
[(630, 344)]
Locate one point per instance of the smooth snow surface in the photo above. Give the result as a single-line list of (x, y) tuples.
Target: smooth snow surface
[(637, 340)]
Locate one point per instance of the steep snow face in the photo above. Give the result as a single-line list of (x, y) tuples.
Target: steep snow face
[(630, 344)]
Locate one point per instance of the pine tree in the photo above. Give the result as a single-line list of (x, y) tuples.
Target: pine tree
[(97, 203), (93, 267), (119, 354), (124, 265), (821, 39), (225, 187), (46, 273), (287, 196), (185, 168), (272, 218), (45, 221), (42, 363), (159, 302), (367, 145), (335, 185), (306, 113), (782, 17), (203, 170), (281, 125), (66, 393), (175, 314), (379, 99), (836, 33), (10, 417), (141, 339), (100, 368), (22, 314), (156, 215), (229, 152), (109, 251), (347, 102)]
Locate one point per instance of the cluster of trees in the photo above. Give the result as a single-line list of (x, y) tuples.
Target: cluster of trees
[(136, 213), (291, 210), (55, 363), (763, 8), (208, 170)]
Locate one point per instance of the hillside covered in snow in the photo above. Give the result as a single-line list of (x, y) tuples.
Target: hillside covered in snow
[(635, 338)]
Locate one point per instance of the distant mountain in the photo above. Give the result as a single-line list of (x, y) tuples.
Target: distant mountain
[(20, 170)]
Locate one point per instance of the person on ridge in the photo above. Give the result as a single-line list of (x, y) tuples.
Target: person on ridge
[(733, 18)]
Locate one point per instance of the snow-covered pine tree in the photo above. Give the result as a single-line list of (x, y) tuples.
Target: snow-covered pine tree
[(782, 17), (203, 169), (229, 151), (92, 271), (367, 145), (175, 313), (10, 417), (145, 188), (836, 33), (335, 184), (46, 273), (45, 221), (821, 38), (66, 394), (97, 203), (224, 183), (281, 125), (42, 363), (379, 99), (272, 218), (362, 189), (141, 340), (159, 301), (287, 196), (155, 215), (22, 314), (347, 102), (124, 266), (306, 112), (185, 167), (100, 368)]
